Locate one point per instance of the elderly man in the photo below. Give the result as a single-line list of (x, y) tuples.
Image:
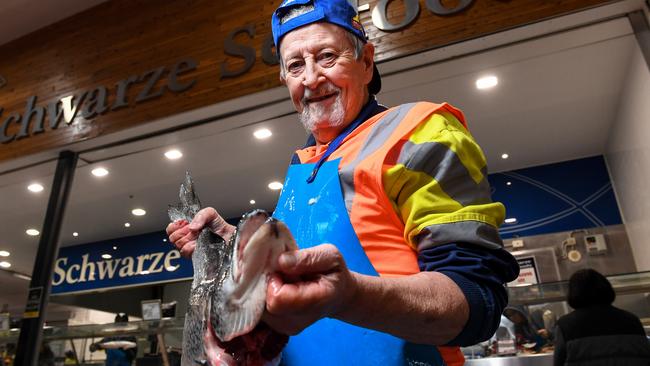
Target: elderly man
[(415, 267)]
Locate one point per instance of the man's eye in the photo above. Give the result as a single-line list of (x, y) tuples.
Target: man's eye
[(327, 56), (294, 66), (327, 59)]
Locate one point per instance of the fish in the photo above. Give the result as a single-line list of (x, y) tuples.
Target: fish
[(228, 293)]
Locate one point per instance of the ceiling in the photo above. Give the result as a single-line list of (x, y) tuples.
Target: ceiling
[(21, 17), (556, 100)]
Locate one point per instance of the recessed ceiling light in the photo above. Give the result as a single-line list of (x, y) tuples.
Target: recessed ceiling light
[(126, 224), (35, 187), (107, 256), (75, 234), (487, 82), (504, 156), (32, 232), (508, 183), (262, 133), (114, 248), (511, 220), (252, 202), (171, 268), (4, 253), (5, 264), (173, 154), (138, 212), (145, 272), (100, 172), (275, 186), (164, 240)]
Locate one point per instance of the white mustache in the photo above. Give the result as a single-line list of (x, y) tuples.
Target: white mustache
[(321, 91)]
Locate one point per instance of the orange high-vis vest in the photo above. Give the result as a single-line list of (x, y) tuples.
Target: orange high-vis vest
[(391, 194)]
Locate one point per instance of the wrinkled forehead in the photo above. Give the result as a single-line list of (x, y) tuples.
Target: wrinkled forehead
[(312, 37)]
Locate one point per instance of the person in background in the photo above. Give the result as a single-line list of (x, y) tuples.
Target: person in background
[(597, 333), (543, 320), (528, 337), (120, 350), (400, 258)]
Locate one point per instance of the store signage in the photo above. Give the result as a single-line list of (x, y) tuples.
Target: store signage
[(231, 47), (527, 272), (92, 103), (379, 20), (132, 261), (412, 9)]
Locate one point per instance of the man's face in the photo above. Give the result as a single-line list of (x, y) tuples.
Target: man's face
[(326, 82)]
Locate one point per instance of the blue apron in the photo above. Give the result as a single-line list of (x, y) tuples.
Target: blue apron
[(311, 204)]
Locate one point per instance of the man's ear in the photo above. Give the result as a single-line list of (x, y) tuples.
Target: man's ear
[(368, 61)]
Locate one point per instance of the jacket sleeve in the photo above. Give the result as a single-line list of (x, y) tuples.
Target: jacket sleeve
[(559, 353), (480, 273), (439, 187)]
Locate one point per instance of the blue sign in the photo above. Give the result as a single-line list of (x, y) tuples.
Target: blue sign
[(131, 261)]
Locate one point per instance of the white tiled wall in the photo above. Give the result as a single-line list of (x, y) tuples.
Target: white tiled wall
[(628, 158)]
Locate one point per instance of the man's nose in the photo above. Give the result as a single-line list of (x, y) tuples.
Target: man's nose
[(312, 75)]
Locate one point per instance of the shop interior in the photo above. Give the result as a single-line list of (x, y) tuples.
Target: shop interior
[(567, 89)]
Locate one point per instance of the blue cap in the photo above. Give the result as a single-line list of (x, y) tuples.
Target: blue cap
[(337, 12)]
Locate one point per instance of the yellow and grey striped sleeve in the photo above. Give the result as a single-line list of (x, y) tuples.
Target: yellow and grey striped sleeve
[(439, 187)]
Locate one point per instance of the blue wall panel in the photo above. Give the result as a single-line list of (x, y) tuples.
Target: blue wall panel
[(565, 196)]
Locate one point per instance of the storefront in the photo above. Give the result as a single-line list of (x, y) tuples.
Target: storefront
[(184, 88)]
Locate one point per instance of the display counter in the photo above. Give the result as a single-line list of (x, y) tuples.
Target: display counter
[(136, 328), (632, 294), (623, 284), (635, 285), (543, 359), (141, 330)]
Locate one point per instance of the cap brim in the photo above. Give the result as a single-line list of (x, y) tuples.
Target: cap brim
[(375, 84)]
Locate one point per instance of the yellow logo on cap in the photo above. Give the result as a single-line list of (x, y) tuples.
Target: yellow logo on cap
[(356, 22)]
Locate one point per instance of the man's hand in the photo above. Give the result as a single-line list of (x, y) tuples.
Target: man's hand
[(310, 284), (183, 234), (314, 283)]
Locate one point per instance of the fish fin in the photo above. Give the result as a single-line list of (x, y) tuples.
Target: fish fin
[(240, 315)]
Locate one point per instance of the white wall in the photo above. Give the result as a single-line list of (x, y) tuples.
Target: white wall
[(628, 158)]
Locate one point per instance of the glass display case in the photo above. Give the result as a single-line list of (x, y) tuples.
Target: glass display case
[(547, 301), (151, 338)]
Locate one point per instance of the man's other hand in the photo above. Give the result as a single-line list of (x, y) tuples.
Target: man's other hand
[(183, 234), (309, 284)]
